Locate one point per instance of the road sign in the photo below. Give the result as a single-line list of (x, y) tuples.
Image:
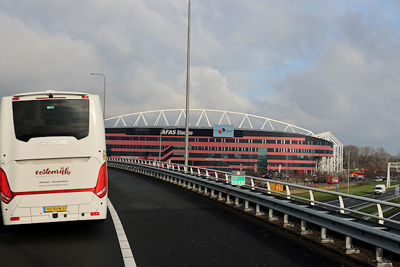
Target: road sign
[(238, 180)]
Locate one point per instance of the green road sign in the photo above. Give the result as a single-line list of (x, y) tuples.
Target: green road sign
[(238, 180)]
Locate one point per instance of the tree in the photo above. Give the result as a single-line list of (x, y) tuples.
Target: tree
[(372, 160)]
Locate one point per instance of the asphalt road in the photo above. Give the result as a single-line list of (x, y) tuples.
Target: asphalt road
[(166, 226), (90, 243), (349, 202), (395, 216), (169, 226), (353, 203)]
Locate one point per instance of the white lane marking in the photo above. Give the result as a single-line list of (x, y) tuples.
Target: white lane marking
[(126, 251), (394, 215), (332, 201)]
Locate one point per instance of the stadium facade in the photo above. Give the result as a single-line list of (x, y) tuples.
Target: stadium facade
[(223, 142)]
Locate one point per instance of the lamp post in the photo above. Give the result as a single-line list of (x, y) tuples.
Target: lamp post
[(348, 171), (159, 151), (187, 91), (286, 166), (104, 95)]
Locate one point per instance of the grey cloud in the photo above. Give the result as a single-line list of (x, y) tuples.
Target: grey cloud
[(348, 83), (352, 87), (34, 60)]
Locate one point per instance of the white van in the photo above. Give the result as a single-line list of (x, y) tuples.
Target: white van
[(380, 189), (52, 158)]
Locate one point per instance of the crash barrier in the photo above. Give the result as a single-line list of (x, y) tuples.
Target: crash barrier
[(267, 195)]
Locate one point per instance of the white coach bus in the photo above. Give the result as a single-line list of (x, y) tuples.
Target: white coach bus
[(52, 158)]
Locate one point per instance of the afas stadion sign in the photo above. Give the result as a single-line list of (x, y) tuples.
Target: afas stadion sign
[(218, 131), (174, 132)]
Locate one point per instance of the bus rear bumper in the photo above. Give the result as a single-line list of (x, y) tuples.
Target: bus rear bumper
[(18, 212)]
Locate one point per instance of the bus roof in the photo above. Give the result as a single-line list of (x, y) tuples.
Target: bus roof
[(49, 92)]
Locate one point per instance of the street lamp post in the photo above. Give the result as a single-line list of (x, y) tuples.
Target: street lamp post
[(104, 94), (348, 171), (159, 151), (187, 91), (286, 166)]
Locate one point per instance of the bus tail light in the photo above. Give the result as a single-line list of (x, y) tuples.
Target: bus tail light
[(14, 219), (5, 192), (101, 187), (95, 213)]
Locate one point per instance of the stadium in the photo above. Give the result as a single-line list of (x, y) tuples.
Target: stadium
[(223, 140)]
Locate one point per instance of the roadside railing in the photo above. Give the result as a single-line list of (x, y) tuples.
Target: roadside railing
[(261, 192), (254, 182)]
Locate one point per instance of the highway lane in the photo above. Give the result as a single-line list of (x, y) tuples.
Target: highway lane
[(350, 203), (89, 243), (169, 226), (359, 204), (395, 216)]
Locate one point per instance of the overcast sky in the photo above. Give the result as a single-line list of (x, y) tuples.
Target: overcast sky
[(322, 65)]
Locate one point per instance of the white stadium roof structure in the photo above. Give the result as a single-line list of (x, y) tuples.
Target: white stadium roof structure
[(210, 117)]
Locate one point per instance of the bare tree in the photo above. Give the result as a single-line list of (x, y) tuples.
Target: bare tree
[(372, 160)]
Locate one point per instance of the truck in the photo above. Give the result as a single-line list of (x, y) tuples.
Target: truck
[(332, 179), (380, 189)]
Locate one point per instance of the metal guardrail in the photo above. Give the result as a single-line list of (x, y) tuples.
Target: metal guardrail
[(385, 234)]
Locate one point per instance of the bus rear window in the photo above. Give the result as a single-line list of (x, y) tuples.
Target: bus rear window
[(41, 118)]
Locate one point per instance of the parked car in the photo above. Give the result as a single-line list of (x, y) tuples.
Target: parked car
[(360, 178), (378, 179), (380, 189)]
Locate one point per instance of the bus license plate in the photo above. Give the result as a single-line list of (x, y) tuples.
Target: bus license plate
[(55, 209)]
